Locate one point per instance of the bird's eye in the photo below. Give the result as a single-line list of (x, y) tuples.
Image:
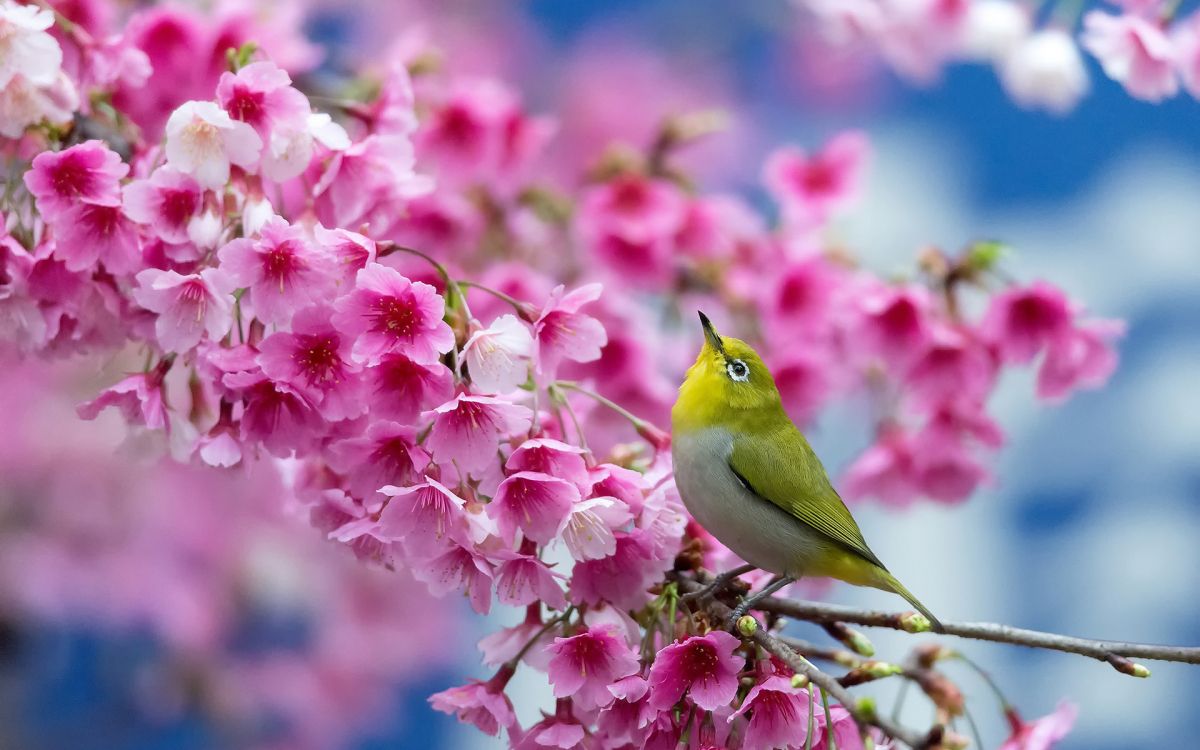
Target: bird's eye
[(737, 370)]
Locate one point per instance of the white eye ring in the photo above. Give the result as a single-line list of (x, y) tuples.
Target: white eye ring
[(738, 370)]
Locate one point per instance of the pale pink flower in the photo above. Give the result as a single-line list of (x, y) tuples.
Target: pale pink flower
[(427, 517), (282, 270), (584, 665), (387, 455), (1082, 358), (1022, 321), (943, 468), (1043, 733), (203, 140), (483, 704), (387, 313), (994, 28), (506, 643), (778, 715), (564, 333), (524, 579), (535, 503), (705, 667), (89, 172), (351, 251), (23, 103), (885, 470), (1046, 71), (811, 188), (459, 569), (589, 530), (622, 577), (552, 457), (139, 398), (188, 306), (369, 182), (1133, 51), (845, 729), (314, 359), (554, 732), (467, 430), (399, 389), (26, 49), (498, 356), (167, 202)]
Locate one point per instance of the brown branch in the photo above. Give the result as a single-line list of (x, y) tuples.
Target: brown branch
[(1116, 653)]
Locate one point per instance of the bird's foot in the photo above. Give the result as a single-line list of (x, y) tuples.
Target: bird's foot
[(718, 583)]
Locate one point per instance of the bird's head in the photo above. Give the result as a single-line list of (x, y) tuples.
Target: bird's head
[(727, 383)]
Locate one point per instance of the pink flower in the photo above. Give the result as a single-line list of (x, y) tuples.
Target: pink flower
[(188, 307), (1043, 733), (1022, 321), (802, 376), (387, 455), (524, 579), (953, 366), (505, 644), (388, 313), (202, 140), (945, 470), (554, 732), (584, 665), (89, 172), (589, 530), (468, 429), (351, 251), (91, 232), (810, 189), (895, 323), (23, 103), (799, 300), (552, 457), (498, 356), (369, 183), (167, 202), (885, 470), (565, 333), (283, 271), (537, 504), (1083, 358), (622, 577), (459, 569), (624, 720), (845, 729), (778, 715), (426, 517), (261, 95), (276, 414), (633, 206), (483, 704), (139, 398), (314, 359), (26, 49), (1133, 51), (400, 389), (704, 667)]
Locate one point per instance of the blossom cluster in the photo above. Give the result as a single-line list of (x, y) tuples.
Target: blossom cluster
[(1143, 46), (461, 362)]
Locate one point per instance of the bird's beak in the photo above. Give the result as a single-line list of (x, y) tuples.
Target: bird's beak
[(710, 333)]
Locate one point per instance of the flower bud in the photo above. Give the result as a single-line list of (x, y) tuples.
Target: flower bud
[(1127, 666), (915, 622), (747, 625), (800, 681), (882, 669)]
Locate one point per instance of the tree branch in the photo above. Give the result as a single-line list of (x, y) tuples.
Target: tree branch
[(1113, 652)]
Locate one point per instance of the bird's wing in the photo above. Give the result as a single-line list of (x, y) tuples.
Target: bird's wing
[(779, 466)]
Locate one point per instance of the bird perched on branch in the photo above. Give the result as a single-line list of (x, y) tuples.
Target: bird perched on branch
[(748, 475)]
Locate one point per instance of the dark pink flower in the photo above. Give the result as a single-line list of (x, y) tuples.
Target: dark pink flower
[(483, 704), (705, 667), (802, 376), (139, 398), (624, 720), (1083, 358), (1133, 51), (811, 188), (276, 414), (799, 302), (535, 503), (895, 323), (459, 569), (89, 232), (953, 366), (565, 333), (388, 313), (426, 516), (621, 578), (89, 172), (189, 307), (1021, 321), (261, 95), (584, 665), (400, 389), (778, 715), (282, 270), (166, 202), (524, 579), (845, 729), (552, 457), (633, 205), (314, 359), (387, 455), (1043, 733), (884, 470), (467, 430), (351, 251)]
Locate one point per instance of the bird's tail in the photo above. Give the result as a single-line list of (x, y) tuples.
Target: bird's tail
[(895, 586)]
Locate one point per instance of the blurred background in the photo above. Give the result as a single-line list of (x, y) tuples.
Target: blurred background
[(1090, 527)]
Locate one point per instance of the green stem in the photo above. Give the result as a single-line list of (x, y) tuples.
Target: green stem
[(637, 421), (812, 713), (828, 722), (987, 678)]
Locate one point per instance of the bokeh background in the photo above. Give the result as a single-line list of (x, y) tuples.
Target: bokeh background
[(1090, 527)]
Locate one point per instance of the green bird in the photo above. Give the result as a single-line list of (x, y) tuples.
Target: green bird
[(748, 476)]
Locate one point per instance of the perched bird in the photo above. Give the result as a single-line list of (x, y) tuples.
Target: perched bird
[(751, 479)]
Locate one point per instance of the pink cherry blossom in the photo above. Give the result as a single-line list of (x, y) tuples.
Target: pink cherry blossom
[(88, 233), (524, 579), (24, 103), (1043, 733), (800, 298), (504, 645), (1022, 321), (590, 526), (584, 665), (778, 715), (427, 516), (400, 389), (387, 454), (189, 307), (351, 251), (498, 356), (139, 398), (459, 569), (276, 414), (1133, 51), (705, 667), (811, 188), (1082, 358), (387, 313), (483, 704), (953, 366), (846, 733), (261, 95), (89, 172), (202, 140), (283, 270), (620, 578), (564, 333), (943, 468), (314, 359), (535, 503), (885, 470), (625, 718), (368, 181), (26, 49), (565, 733), (552, 457), (803, 379), (895, 323), (166, 202), (467, 430)]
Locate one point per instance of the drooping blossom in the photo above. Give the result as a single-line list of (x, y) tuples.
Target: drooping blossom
[(203, 140), (90, 233), (459, 569), (89, 172), (895, 323), (589, 533), (368, 182), (388, 454), (553, 457), (261, 95), (314, 359), (1084, 357), (189, 307), (535, 503), (467, 430), (565, 733), (884, 470), (584, 665), (1043, 733), (953, 366), (166, 202), (994, 28), (811, 188), (778, 715), (1133, 51), (705, 667), (351, 251), (282, 269), (427, 516), (564, 333), (483, 704), (524, 579), (399, 389), (1022, 321), (1046, 71), (139, 398), (498, 356), (387, 313)]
